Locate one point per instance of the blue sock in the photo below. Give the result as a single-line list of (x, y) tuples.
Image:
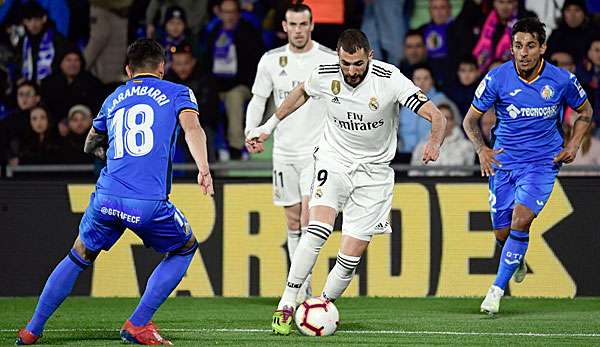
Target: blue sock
[(57, 288), (161, 283), (512, 253)]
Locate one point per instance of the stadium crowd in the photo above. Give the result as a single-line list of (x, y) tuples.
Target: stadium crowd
[(60, 58)]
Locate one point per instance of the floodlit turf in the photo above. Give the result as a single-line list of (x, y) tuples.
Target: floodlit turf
[(364, 321)]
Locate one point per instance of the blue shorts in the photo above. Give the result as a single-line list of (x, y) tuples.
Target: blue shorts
[(157, 222), (529, 186)]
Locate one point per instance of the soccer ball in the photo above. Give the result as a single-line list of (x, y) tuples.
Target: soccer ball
[(317, 317)]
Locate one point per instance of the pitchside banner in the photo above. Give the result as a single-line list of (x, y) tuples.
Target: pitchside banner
[(441, 243)]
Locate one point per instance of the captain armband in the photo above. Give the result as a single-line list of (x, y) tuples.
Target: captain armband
[(415, 101)]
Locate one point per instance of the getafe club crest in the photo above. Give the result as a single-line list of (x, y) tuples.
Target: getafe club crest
[(336, 87), (547, 92), (283, 61), (373, 104)]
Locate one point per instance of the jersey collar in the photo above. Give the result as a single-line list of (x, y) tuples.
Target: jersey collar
[(535, 76)]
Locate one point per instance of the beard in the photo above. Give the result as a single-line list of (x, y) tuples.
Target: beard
[(357, 79)]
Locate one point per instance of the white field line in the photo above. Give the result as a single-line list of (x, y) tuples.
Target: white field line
[(347, 332)]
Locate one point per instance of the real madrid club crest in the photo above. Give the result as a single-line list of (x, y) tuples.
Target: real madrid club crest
[(547, 92), (283, 61), (318, 192), (373, 104), (336, 87)]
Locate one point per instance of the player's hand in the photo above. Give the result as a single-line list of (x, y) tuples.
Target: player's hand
[(100, 153), (255, 139), (567, 155), (205, 181), (487, 157), (431, 151)]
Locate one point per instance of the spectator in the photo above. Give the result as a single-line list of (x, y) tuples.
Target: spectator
[(435, 35), (414, 129), (464, 31), (494, 42), (589, 152), (185, 70), (573, 32), (79, 123), (105, 52), (564, 60), (15, 126), (384, 25), (414, 52), (455, 151), (588, 74), (196, 11), (70, 85), (40, 46), (462, 88), (233, 51), (39, 145), (174, 31)]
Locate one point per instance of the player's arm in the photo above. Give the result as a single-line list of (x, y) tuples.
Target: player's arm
[(487, 156), (582, 123), (254, 114), (292, 102), (94, 144), (196, 141), (429, 111)]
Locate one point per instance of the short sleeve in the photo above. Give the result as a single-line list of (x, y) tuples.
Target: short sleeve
[(311, 85), (407, 93), (263, 84), (575, 95), (99, 122), (185, 100), (485, 94)]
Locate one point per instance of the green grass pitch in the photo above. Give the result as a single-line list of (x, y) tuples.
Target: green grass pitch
[(364, 321)]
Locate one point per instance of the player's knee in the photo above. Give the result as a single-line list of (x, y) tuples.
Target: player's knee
[(190, 245), (502, 234), (83, 252), (293, 224), (521, 222)]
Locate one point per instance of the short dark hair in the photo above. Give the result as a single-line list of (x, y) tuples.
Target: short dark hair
[(414, 32), (469, 60), (32, 9), (29, 83), (299, 7), (145, 54), (353, 40), (531, 25)]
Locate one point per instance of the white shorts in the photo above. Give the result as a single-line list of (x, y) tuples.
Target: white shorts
[(362, 192), (291, 181)]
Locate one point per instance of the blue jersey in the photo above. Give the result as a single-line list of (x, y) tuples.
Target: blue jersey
[(141, 119), (529, 114)]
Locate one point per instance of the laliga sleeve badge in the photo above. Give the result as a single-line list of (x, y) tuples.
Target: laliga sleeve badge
[(421, 96), (336, 87), (283, 61), (373, 104)]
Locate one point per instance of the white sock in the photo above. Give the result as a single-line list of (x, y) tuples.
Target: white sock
[(304, 259), (293, 238), (340, 276)]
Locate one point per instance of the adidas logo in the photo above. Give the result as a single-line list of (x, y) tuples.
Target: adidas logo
[(283, 73), (382, 226), (335, 100)]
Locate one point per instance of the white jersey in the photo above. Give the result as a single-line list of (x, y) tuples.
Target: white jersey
[(362, 122), (279, 71)]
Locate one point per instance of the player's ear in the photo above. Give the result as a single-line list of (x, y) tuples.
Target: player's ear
[(161, 68), (129, 71), (371, 54), (543, 49), (284, 26)]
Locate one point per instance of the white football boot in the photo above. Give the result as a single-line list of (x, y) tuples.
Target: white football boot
[(521, 272), (491, 303)]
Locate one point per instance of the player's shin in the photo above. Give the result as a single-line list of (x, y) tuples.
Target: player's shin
[(512, 253), (304, 259), (57, 288), (161, 283), (340, 276), (293, 238)]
